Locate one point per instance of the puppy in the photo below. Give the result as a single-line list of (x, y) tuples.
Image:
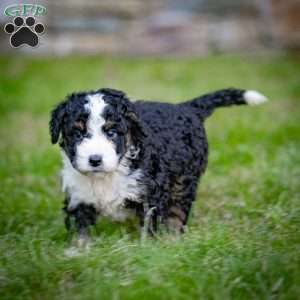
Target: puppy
[(139, 159)]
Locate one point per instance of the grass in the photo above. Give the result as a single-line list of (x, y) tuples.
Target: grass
[(243, 239)]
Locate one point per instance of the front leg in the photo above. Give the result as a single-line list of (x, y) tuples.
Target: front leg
[(148, 221), (80, 218)]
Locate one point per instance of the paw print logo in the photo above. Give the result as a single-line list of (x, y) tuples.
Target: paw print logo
[(24, 33)]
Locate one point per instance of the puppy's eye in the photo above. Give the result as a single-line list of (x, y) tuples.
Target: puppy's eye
[(78, 133), (111, 133)]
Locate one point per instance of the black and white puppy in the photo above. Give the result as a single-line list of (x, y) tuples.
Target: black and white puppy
[(144, 159)]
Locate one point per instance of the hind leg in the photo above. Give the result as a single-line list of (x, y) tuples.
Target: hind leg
[(183, 195)]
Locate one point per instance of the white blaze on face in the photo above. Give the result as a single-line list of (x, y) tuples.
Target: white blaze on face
[(97, 143)]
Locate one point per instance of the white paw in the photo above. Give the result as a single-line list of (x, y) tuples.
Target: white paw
[(82, 246), (73, 252)]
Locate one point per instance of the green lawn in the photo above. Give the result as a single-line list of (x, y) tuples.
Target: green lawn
[(243, 240)]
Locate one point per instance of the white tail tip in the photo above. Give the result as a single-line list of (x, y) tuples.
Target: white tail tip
[(254, 98)]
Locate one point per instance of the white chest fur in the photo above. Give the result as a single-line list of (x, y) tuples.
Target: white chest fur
[(106, 192)]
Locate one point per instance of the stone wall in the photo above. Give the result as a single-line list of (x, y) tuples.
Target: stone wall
[(286, 22), (167, 27)]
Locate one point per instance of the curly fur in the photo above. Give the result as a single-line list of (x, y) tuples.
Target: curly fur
[(162, 151)]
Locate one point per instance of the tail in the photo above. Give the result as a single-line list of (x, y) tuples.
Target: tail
[(205, 105)]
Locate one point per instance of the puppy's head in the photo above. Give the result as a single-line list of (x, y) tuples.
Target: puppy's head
[(97, 130)]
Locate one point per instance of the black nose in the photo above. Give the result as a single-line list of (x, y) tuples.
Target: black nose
[(95, 160)]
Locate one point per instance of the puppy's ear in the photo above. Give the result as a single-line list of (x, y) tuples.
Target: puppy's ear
[(55, 124), (137, 130)]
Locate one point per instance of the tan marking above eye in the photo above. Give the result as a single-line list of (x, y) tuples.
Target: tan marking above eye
[(79, 124), (108, 125)]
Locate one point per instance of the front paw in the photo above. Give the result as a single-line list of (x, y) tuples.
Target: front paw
[(82, 242), (79, 246)]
